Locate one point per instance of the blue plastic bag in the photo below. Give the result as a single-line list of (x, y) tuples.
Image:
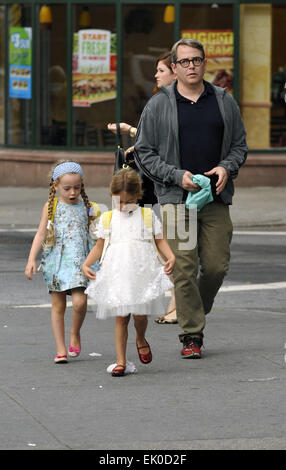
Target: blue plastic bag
[(202, 197)]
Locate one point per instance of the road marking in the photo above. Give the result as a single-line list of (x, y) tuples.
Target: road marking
[(245, 287), (18, 230), (243, 232), (235, 288)]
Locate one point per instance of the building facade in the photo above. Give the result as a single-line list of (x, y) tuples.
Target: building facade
[(68, 68)]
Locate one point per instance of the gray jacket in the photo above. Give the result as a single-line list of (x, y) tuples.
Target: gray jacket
[(157, 144)]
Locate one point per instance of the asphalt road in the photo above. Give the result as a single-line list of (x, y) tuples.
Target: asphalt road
[(233, 398)]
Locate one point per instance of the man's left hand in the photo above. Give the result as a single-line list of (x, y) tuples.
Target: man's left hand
[(221, 172)]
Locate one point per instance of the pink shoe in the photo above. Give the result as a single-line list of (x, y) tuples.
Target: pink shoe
[(74, 352), (60, 359)]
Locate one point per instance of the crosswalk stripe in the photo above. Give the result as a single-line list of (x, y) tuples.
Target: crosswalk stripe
[(233, 288)]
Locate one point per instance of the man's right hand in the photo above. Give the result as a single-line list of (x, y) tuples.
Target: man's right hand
[(188, 184)]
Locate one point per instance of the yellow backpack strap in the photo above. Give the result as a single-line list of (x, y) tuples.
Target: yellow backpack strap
[(54, 208), (147, 216), (96, 210), (106, 219)]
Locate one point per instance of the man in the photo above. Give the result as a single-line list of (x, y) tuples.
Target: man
[(192, 127)]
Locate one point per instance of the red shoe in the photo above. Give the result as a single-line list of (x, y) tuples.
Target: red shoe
[(191, 348), (145, 358), (118, 371)]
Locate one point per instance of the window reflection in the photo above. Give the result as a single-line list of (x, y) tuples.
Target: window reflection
[(51, 76), (2, 75), (19, 50), (278, 110), (94, 75), (145, 36)]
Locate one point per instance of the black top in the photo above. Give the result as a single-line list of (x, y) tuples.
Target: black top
[(200, 132)]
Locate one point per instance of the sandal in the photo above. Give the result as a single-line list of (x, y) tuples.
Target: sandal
[(145, 358), (118, 371), (163, 319), (60, 359), (74, 352), (171, 307)]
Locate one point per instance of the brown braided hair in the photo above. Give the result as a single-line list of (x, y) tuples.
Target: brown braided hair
[(86, 203), (50, 237)]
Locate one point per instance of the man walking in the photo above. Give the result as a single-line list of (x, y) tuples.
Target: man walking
[(192, 127)]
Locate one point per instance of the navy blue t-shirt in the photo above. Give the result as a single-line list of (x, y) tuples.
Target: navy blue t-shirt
[(200, 132)]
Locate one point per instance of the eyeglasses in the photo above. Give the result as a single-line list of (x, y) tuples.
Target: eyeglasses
[(196, 61)]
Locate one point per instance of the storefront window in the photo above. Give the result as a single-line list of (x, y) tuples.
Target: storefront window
[(94, 91), (2, 74), (278, 80), (19, 73), (212, 25), (262, 74), (61, 83), (51, 99), (146, 35)]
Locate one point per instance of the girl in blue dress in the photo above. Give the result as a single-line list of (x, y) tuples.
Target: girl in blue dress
[(63, 234)]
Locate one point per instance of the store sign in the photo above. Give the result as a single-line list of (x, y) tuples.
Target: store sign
[(218, 45), (94, 67), (20, 63)]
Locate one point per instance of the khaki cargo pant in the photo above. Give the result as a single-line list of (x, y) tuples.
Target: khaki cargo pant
[(201, 243)]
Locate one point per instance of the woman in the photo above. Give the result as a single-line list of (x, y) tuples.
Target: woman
[(164, 76)]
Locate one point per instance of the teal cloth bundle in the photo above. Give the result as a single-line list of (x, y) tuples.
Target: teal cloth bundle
[(202, 197)]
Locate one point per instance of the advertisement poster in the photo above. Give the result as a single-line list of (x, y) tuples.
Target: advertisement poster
[(20, 63), (218, 45), (94, 67)]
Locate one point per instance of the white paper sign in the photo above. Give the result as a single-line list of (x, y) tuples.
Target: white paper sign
[(94, 51)]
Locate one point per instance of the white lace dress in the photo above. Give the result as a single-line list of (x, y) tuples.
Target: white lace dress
[(131, 278)]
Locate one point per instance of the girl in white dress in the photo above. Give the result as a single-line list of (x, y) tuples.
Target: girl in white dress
[(131, 279)]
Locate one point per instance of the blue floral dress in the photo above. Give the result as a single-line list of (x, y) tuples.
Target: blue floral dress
[(61, 263)]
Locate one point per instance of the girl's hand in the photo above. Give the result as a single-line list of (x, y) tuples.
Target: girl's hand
[(88, 272), (30, 268), (169, 265)]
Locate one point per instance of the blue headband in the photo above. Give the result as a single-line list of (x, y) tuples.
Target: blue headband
[(66, 167)]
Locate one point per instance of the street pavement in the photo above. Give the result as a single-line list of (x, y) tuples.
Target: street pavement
[(231, 399), (261, 206)]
